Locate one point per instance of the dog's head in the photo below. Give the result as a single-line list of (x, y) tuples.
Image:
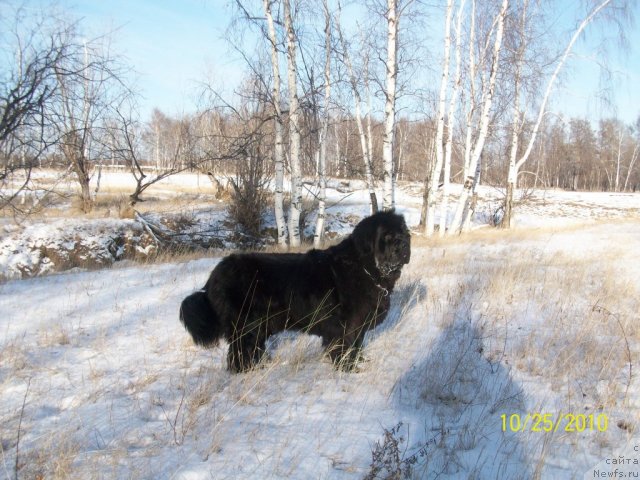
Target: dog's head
[(384, 238)]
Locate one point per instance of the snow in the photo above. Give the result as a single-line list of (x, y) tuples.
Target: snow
[(46, 247), (479, 327)]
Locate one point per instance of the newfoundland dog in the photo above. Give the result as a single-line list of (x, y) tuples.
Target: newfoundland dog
[(338, 294)]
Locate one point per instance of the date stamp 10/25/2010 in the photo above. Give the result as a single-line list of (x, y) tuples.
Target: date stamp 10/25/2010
[(554, 422)]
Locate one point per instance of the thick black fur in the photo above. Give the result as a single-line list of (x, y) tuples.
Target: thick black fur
[(338, 293)]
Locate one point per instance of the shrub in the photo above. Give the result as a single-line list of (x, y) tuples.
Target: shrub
[(249, 197)]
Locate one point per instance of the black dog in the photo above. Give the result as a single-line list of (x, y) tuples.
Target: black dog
[(338, 293)]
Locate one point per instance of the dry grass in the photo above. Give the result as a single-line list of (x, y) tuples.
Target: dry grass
[(485, 324), (53, 336), (555, 318), (494, 236), (15, 357), (112, 199), (53, 459)]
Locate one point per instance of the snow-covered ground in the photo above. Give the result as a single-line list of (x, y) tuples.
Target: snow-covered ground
[(98, 379)]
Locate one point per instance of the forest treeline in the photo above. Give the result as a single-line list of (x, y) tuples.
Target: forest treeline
[(325, 95), (572, 153)]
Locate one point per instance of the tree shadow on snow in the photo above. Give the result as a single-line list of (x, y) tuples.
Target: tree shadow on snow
[(454, 398)]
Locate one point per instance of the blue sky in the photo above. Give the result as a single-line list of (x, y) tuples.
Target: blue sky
[(173, 45), (583, 81)]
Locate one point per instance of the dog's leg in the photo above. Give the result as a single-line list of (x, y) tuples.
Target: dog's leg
[(353, 356), (345, 353), (245, 351)]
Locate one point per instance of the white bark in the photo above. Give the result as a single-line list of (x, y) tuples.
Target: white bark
[(373, 199), (472, 93), (318, 238), (451, 121), (516, 123), (437, 165), (554, 75), (388, 197), (634, 157), (471, 179), (466, 224), (515, 166), (369, 134), (365, 143), (617, 184), (338, 160), (278, 153), (294, 131), (402, 133)]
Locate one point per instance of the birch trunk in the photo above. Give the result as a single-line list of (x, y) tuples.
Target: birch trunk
[(588, 19), (365, 137), (402, 133), (512, 174), (617, 184), (516, 126), (514, 166), (437, 165), (466, 225), (75, 138), (451, 121), (338, 160), (471, 179), (426, 191), (634, 157), (388, 197), (373, 199), (294, 131), (468, 144), (278, 153), (318, 238)]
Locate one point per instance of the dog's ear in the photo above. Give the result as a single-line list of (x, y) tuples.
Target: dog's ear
[(364, 236), (380, 243)]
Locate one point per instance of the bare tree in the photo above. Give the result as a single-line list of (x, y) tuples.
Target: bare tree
[(89, 83), (451, 123), (517, 122), (126, 144), (471, 169), (393, 18), (514, 166), (365, 134), (39, 46), (436, 166), (278, 151), (294, 130), (318, 238), (634, 156)]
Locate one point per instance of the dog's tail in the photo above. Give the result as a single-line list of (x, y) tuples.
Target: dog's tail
[(199, 318)]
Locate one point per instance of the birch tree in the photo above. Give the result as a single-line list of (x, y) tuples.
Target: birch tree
[(365, 135), (393, 18), (517, 119), (278, 128), (437, 165), (451, 124), (318, 238), (514, 166), (294, 130), (472, 171), (89, 85), (634, 156)]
